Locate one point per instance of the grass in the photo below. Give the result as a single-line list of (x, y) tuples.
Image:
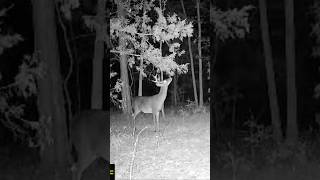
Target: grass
[(180, 151)]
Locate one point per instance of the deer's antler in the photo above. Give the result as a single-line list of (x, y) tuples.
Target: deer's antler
[(157, 80)]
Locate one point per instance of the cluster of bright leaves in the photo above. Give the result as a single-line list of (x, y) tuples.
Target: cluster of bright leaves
[(143, 36)]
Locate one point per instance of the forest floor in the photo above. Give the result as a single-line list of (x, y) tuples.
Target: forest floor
[(181, 150)]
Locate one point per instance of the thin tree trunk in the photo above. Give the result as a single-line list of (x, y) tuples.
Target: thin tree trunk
[(272, 89), (195, 93), (140, 78), (175, 88), (161, 78), (54, 157), (292, 130), (97, 65), (200, 56)]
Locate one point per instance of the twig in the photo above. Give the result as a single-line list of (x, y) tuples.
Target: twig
[(134, 153), (125, 53)]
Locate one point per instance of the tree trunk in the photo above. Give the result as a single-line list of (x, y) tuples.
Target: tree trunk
[(200, 56), (97, 64), (195, 93), (54, 157), (126, 95), (272, 89), (292, 130)]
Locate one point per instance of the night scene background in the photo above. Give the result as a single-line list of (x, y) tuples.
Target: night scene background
[(198, 89)]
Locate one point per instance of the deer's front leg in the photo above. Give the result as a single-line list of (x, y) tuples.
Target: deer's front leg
[(154, 121), (157, 119)]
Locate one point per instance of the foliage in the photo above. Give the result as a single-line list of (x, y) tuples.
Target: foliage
[(258, 133), (114, 93), (66, 7), (234, 159), (188, 109), (8, 40), (145, 29), (232, 23), (30, 70), (24, 86), (271, 153), (115, 90), (143, 36), (42, 137)]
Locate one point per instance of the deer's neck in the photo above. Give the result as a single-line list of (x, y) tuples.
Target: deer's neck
[(163, 92)]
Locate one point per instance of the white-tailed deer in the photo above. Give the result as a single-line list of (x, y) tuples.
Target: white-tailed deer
[(151, 104), (89, 138)]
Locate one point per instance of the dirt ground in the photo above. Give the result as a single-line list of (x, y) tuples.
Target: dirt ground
[(180, 151)]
